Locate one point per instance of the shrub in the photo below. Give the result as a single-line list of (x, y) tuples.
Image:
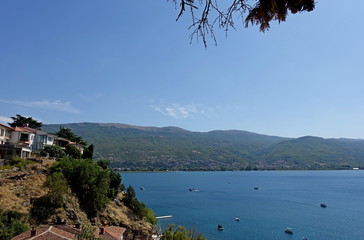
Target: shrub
[(12, 223), (89, 181), (58, 187), (137, 207), (180, 233), (19, 162), (73, 152), (52, 151)]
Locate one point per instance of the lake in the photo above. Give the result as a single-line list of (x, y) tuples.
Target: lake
[(284, 199)]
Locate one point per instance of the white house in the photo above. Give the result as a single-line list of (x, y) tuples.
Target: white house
[(21, 141), (5, 133), (15, 142), (41, 138)]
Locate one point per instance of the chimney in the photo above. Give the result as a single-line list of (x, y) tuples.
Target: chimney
[(33, 232), (102, 230)]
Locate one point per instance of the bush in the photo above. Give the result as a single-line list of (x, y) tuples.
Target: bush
[(42, 209), (73, 152), (137, 207), (19, 162), (180, 233), (88, 152), (12, 223), (88, 181), (52, 151), (58, 187)]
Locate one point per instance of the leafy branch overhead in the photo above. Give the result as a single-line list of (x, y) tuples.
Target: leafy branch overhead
[(206, 14)]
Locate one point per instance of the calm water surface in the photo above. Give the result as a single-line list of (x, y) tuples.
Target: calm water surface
[(284, 199)]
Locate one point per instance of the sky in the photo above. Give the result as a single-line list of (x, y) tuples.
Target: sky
[(131, 62)]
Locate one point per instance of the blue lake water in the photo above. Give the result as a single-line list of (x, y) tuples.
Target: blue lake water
[(284, 199)]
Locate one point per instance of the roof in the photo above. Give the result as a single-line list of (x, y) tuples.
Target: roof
[(33, 130), (19, 129), (78, 144), (112, 233), (57, 232), (2, 125), (62, 232)]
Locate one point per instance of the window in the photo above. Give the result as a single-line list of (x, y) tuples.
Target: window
[(2, 132), (24, 137)]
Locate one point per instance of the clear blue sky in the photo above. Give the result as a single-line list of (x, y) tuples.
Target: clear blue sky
[(131, 62)]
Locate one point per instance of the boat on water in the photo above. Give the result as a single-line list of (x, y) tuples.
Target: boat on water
[(256, 188), (288, 231), (142, 188), (220, 227), (237, 219), (323, 205), (193, 189)]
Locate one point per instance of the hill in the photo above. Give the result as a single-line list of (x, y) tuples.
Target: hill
[(25, 191), (173, 148)]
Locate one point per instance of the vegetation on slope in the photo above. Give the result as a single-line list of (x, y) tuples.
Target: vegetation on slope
[(70, 191)]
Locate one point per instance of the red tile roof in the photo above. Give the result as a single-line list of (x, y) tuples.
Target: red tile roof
[(114, 232), (51, 232), (2, 125), (19, 129), (62, 232)]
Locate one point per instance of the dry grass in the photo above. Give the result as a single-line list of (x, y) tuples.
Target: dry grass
[(116, 213), (16, 194)]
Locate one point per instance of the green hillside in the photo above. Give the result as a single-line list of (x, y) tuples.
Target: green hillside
[(172, 148), (317, 153)]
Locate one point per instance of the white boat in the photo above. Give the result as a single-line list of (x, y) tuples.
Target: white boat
[(288, 231)]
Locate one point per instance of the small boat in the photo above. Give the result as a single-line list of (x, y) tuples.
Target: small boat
[(220, 227), (142, 188), (256, 188), (193, 190), (288, 231), (237, 219), (323, 205)]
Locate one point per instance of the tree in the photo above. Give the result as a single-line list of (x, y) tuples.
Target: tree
[(68, 134), (88, 181), (20, 121), (180, 233), (206, 13), (88, 152), (52, 151), (72, 151)]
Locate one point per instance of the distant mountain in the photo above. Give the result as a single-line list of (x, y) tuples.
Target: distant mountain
[(173, 148)]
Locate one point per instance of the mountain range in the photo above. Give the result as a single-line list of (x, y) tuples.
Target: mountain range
[(171, 148)]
